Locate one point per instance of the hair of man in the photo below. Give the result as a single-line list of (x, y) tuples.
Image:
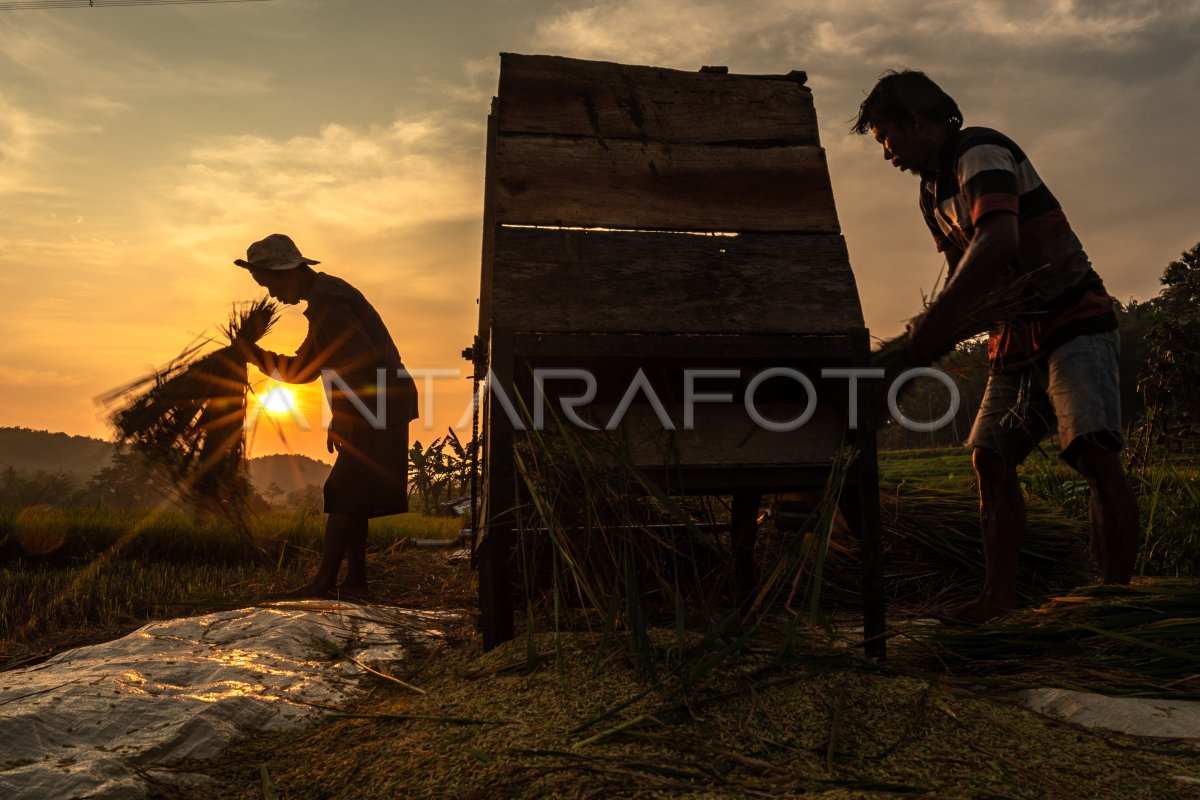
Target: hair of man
[(898, 94)]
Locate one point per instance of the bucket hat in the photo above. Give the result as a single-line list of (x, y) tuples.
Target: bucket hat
[(276, 252)]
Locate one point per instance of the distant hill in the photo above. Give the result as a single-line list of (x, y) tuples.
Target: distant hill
[(290, 472), (80, 457)]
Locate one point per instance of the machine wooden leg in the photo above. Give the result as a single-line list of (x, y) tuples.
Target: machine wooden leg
[(495, 587), (498, 536), (743, 530), (860, 506)]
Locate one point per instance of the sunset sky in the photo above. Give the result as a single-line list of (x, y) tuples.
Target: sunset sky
[(142, 149)]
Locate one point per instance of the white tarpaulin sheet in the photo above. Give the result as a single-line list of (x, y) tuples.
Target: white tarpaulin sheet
[(1137, 716), (90, 722)]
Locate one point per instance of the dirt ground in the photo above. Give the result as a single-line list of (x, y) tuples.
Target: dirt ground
[(496, 725)]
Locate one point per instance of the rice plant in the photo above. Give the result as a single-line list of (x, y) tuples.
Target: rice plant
[(59, 537), (38, 599), (1141, 640), (188, 417), (933, 553), (1006, 301), (1168, 506), (1169, 503), (601, 545), (75, 569)]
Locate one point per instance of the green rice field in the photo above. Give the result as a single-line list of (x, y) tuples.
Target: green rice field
[(71, 575), (89, 571)]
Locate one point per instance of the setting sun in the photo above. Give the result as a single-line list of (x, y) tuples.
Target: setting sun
[(278, 401)]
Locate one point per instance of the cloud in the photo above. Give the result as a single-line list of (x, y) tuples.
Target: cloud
[(31, 47), (23, 138), (363, 181), (833, 37), (77, 62), (100, 104), (651, 31), (22, 377), (475, 85), (1092, 25)]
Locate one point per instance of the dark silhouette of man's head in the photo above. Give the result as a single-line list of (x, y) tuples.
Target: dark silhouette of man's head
[(288, 286), (911, 117), (900, 95), (277, 265)]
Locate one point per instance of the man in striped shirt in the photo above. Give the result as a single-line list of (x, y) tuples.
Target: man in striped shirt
[(1052, 366)]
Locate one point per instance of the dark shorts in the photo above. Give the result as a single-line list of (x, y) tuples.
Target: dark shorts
[(370, 476), (1074, 389)]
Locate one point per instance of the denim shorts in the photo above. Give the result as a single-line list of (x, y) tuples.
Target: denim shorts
[(1074, 389)]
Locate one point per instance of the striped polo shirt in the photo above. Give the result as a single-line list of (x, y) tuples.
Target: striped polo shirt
[(981, 171)]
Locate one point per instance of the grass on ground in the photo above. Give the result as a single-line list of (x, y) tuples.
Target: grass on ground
[(492, 726)]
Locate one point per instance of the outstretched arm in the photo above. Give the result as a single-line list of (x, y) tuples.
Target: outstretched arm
[(348, 351), (992, 249), (303, 367)]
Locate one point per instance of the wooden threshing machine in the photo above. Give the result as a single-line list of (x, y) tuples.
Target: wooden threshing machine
[(681, 225)]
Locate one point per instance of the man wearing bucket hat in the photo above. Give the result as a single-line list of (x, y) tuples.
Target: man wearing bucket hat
[(371, 396)]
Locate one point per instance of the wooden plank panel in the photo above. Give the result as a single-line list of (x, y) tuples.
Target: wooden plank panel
[(538, 346), (612, 282), (489, 231), (724, 435), (572, 97), (546, 180)]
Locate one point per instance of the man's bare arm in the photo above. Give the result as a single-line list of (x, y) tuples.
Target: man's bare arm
[(953, 257), (993, 248)]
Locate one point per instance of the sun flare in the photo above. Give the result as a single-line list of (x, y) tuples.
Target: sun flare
[(279, 401)]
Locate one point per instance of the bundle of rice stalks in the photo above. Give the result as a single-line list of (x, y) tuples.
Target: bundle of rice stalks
[(187, 419), (1006, 301), (596, 535), (1131, 640), (933, 553)]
